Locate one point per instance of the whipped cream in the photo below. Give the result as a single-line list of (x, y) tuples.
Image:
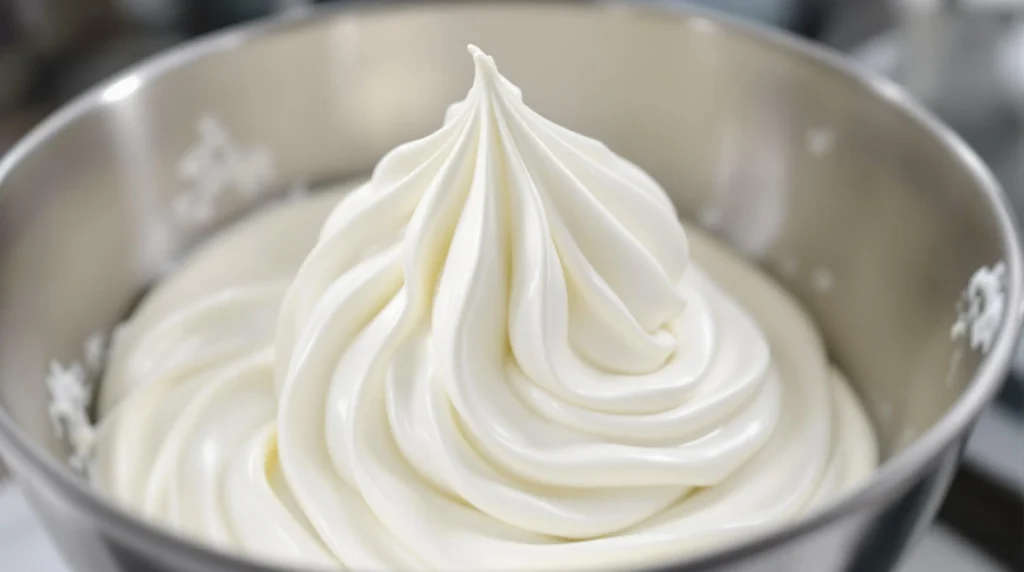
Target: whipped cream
[(503, 351)]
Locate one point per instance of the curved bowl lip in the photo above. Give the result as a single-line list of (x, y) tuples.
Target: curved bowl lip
[(893, 475)]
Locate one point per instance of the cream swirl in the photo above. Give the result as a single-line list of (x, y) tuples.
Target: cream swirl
[(497, 354)]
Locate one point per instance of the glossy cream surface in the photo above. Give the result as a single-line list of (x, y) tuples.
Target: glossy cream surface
[(503, 351)]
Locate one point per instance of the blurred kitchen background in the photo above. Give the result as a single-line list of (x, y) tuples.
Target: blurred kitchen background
[(964, 59)]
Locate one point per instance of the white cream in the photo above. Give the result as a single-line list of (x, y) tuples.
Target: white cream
[(501, 352)]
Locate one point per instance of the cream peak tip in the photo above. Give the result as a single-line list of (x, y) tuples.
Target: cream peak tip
[(484, 63)]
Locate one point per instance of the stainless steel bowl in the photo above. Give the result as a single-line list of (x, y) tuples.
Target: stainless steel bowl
[(872, 212)]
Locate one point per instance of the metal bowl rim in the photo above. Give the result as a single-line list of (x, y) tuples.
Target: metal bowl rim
[(896, 473)]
